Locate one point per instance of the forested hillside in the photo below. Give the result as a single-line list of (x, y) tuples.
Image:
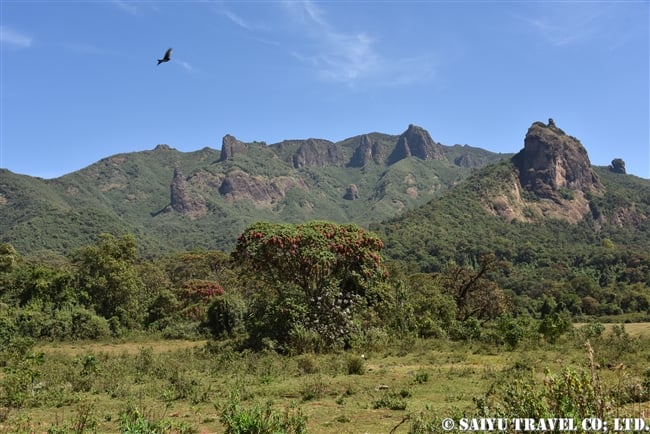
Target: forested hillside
[(171, 200)]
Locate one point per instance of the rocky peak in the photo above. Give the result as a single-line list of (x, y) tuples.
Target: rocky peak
[(162, 147), (365, 152), (230, 147), (417, 142), (317, 153), (552, 161), (617, 166)]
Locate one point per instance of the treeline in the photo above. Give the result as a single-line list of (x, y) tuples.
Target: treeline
[(311, 287)]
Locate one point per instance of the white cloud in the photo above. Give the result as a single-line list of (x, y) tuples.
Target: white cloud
[(237, 19), (130, 8), (353, 58), (13, 38), (566, 23)]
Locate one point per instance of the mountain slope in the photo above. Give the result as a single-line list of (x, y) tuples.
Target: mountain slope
[(550, 222), (173, 200)]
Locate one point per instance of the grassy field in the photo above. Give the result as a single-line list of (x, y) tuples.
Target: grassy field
[(69, 387)]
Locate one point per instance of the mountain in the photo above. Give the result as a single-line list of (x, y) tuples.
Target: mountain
[(174, 200), (546, 212)]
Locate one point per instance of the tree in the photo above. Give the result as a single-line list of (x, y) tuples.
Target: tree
[(323, 266), (107, 273), (475, 293), (8, 257)]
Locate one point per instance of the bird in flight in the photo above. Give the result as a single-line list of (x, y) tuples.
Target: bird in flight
[(167, 57)]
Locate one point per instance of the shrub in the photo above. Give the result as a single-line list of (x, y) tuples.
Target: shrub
[(87, 325), (356, 365), (467, 330), (224, 316), (307, 364), (261, 419), (392, 401), (554, 325)]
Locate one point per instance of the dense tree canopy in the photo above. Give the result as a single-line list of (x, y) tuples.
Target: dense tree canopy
[(319, 273), (312, 255)]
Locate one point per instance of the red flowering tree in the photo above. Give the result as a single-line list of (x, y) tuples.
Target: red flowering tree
[(324, 267)]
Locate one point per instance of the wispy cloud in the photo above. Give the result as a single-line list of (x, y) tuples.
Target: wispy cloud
[(353, 58), (128, 7), (563, 24), (13, 38), (186, 66), (237, 19)]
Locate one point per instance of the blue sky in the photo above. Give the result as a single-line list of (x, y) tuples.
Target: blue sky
[(79, 79)]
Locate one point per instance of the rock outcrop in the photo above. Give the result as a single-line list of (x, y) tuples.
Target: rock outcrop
[(365, 152), (181, 200), (555, 168), (552, 163), (317, 153), (351, 193), (468, 161), (416, 142), (230, 147), (261, 190), (618, 166)]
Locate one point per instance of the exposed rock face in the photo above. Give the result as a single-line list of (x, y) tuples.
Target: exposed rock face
[(552, 161), (230, 147), (263, 191), (180, 198), (467, 160), (317, 153), (351, 193), (628, 216), (556, 169), (417, 142), (162, 147), (618, 166), (366, 152)]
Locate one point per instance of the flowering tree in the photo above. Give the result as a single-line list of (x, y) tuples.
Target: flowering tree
[(330, 265)]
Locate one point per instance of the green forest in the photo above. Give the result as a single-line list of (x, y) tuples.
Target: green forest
[(309, 298)]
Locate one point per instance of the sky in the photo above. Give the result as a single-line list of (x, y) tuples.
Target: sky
[(79, 80)]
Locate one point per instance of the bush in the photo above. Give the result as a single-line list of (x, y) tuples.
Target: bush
[(224, 316), (554, 325), (307, 364), (467, 330), (392, 401), (7, 331), (88, 325), (356, 365), (261, 419)]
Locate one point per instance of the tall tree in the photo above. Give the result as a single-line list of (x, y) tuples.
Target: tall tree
[(476, 293), (107, 273), (324, 267)]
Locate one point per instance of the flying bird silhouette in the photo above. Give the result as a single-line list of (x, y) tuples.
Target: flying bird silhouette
[(167, 57)]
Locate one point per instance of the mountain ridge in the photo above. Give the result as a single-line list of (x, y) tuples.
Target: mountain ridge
[(179, 200), (173, 200)]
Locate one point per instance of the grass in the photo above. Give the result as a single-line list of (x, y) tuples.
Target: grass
[(179, 382)]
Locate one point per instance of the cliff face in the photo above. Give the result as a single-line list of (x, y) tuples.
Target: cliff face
[(367, 151), (230, 147), (553, 162), (417, 142), (317, 153), (181, 200), (555, 168), (263, 191)]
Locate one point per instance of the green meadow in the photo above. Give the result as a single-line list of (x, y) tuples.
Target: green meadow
[(182, 386)]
